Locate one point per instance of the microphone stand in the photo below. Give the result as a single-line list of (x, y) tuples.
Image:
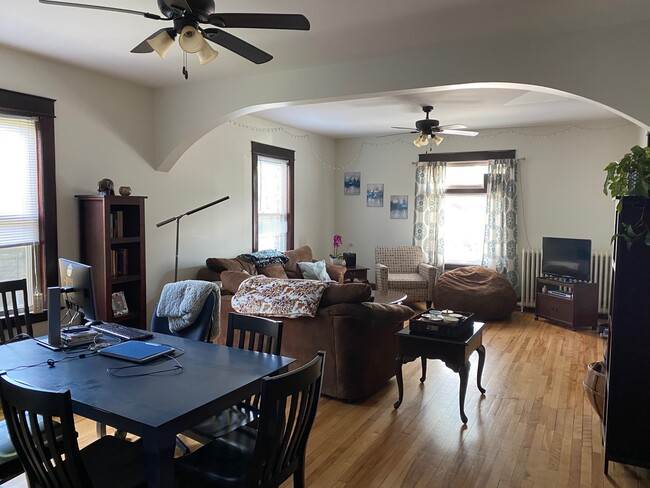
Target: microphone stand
[(178, 219)]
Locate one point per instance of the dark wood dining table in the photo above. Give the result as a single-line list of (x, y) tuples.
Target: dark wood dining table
[(153, 406)]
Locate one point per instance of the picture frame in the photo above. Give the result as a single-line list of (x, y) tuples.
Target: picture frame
[(399, 206), (375, 195), (352, 183), (118, 302)]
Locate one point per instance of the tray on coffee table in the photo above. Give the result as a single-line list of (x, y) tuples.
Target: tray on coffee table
[(426, 323)]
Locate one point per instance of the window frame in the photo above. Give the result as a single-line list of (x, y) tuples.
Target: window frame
[(258, 149), (41, 108)]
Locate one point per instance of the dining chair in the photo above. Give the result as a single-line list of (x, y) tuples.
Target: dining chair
[(12, 321), (107, 462), (12, 324), (252, 333), (200, 330), (275, 451)]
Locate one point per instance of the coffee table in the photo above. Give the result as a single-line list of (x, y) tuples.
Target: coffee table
[(454, 351), (389, 296)]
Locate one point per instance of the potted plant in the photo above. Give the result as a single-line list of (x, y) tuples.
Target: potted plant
[(630, 177), (335, 257)]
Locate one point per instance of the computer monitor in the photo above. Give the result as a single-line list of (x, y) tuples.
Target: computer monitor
[(77, 287)]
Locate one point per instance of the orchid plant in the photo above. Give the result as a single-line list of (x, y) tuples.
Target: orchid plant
[(337, 242)]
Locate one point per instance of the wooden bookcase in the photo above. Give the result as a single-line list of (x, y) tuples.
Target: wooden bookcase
[(580, 309), (112, 241), (626, 424)]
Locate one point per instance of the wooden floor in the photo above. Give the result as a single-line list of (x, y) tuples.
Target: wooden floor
[(533, 428)]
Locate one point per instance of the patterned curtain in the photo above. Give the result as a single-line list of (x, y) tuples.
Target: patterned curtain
[(500, 245), (428, 217)]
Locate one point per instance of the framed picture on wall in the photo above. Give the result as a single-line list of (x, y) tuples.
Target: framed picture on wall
[(352, 183), (120, 307), (399, 206), (375, 195)]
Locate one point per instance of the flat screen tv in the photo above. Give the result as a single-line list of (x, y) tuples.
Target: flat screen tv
[(566, 258), (77, 287)]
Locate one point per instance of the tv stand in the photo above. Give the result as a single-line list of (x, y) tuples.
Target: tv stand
[(570, 303)]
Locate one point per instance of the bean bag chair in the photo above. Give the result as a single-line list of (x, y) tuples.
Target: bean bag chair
[(475, 289)]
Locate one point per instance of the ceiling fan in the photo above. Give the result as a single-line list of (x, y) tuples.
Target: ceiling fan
[(187, 17), (431, 129)]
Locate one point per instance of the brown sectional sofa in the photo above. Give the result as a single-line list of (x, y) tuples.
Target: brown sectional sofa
[(359, 336)]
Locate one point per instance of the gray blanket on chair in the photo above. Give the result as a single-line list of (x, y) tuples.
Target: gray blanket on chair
[(182, 301)]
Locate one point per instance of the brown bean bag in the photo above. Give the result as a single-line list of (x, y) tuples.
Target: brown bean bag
[(475, 289)]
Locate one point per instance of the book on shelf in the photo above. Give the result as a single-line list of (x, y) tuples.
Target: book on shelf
[(119, 262), (117, 223)]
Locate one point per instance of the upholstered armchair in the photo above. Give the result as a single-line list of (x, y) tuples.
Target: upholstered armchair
[(402, 268)]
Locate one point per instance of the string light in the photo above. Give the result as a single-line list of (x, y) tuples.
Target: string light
[(352, 162)]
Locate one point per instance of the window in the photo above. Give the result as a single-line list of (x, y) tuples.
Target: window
[(28, 247), (465, 209), (272, 197)]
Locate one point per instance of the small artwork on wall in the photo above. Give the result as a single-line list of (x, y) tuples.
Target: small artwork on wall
[(399, 206), (352, 183), (375, 195)]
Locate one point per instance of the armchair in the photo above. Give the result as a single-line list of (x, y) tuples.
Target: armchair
[(403, 268)]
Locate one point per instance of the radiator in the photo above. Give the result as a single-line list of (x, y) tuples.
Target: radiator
[(531, 268)]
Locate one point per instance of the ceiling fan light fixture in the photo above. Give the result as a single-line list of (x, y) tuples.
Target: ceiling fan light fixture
[(191, 40), (207, 54), (422, 140), (438, 139), (161, 43)]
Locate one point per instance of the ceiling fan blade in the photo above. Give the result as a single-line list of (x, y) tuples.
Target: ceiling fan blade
[(260, 21), (455, 132), (413, 131), (453, 126), (145, 47), (237, 45), (100, 7), (395, 134)]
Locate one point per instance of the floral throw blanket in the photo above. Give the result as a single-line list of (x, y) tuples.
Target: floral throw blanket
[(277, 297)]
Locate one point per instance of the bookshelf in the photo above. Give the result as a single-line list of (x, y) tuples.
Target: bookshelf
[(112, 241)]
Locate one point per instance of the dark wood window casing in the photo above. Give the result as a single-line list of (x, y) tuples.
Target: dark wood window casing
[(258, 149)]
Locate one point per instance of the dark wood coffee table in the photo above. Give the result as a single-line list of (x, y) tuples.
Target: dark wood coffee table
[(389, 296), (454, 351)]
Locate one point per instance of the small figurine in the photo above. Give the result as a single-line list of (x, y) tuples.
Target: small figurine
[(125, 191), (105, 187)]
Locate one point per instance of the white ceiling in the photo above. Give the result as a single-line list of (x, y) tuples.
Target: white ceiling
[(341, 31)]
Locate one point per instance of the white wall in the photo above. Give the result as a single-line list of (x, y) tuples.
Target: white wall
[(560, 190), (104, 129)]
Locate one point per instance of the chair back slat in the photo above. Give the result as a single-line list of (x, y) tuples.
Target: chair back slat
[(288, 409), (30, 416), (12, 322)]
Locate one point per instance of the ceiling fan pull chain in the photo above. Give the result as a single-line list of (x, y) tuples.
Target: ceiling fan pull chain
[(186, 74)]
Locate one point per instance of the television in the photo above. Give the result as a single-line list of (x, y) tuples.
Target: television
[(77, 288), (566, 258)]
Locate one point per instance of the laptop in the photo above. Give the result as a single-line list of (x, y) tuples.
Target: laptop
[(137, 351)]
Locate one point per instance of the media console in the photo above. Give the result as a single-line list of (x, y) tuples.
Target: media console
[(571, 303)]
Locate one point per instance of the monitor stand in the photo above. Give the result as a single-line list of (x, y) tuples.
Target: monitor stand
[(53, 339)]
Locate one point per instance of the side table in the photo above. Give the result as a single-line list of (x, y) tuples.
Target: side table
[(356, 273), (454, 351)]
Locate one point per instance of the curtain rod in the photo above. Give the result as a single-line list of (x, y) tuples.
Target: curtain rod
[(460, 163)]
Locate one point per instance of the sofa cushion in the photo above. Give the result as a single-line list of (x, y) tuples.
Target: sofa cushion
[(236, 264), (301, 255), (230, 280), (314, 271), (273, 271), (259, 295), (335, 272), (345, 293)]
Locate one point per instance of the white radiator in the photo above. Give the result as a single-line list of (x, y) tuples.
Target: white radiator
[(531, 268)]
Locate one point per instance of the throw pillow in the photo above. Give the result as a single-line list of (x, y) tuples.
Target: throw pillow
[(273, 271), (230, 280), (301, 255), (224, 264), (314, 271), (336, 272), (259, 295)]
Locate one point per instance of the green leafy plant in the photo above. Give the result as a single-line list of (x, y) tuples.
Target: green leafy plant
[(630, 177)]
